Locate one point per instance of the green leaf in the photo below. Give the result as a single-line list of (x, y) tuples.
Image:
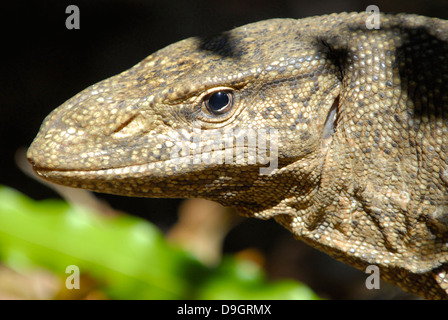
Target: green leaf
[(235, 279), (127, 255)]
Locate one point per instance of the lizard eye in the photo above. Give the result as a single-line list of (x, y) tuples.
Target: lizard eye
[(219, 102)]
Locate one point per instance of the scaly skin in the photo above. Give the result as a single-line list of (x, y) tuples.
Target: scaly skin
[(358, 138)]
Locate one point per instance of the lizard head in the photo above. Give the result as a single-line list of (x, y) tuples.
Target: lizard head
[(219, 118)]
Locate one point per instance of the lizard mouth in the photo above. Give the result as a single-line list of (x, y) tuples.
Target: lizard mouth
[(51, 174), (178, 170), (156, 179)]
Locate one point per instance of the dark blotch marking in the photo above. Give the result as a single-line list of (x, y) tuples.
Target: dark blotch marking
[(252, 114), (305, 136), (421, 69), (338, 57), (224, 45)]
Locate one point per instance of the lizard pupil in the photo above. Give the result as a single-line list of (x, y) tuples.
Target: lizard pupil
[(219, 102)]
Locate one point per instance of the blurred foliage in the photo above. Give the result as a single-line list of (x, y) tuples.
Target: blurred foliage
[(128, 257)]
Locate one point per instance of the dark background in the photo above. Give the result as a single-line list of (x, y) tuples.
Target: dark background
[(45, 64)]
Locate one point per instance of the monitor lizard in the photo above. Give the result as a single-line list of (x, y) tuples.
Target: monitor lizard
[(348, 123)]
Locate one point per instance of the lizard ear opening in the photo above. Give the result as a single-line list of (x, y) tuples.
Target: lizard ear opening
[(330, 124)]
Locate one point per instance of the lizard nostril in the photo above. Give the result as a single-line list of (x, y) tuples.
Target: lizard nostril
[(125, 124), (131, 127)]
